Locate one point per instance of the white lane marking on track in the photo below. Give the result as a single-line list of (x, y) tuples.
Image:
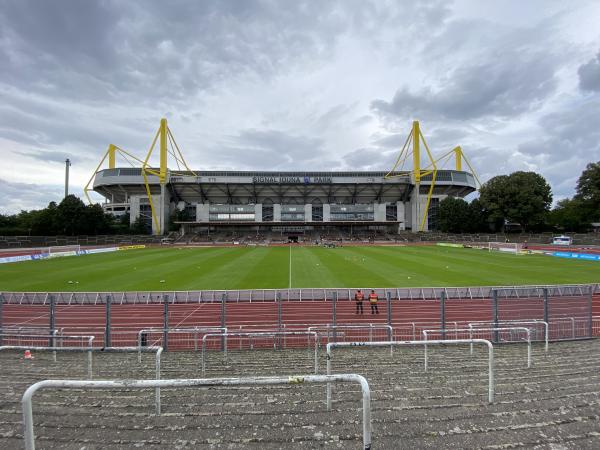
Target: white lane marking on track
[(181, 321), (47, 314), (193, 311)]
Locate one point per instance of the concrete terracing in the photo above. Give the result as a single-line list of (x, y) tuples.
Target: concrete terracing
[(555, 404)]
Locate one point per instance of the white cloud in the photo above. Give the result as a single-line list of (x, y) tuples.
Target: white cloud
[(312, 85)]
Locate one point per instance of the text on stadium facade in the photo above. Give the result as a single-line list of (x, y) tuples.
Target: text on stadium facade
[(290, 180)]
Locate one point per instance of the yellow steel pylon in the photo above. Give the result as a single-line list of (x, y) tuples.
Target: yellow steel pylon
[(167, 146), (412, 146)]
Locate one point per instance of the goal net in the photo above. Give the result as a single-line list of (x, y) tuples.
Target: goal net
[(64, 250), (507, 247)]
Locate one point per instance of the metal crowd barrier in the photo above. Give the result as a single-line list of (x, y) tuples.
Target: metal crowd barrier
[(27, 400)]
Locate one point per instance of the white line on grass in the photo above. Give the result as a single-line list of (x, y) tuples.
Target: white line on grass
[(290, 265)]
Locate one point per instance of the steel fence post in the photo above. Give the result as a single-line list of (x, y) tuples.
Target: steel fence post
[(590, 319), (495, 314), (471, 337), (546, 305), (443, 313), (107, 322), (52, 324), (279, 318), (1, 315), (166, 323), (223, 318), (388, 296), (334, 300)]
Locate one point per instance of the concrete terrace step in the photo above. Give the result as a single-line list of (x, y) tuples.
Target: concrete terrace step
[(553, 403)]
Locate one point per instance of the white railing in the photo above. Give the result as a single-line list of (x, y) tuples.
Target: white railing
[(331, 328), (333, 345), (273, 334), (505, 323), (308, 294), (89, 349), (195, 331), (27, 400), (470, 331)]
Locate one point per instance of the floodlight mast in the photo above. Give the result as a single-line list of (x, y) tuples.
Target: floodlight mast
[(67, 165), (167, 145), (415, 138)]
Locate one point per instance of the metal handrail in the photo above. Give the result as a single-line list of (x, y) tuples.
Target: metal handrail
[(333, 345), (27, 399), (471, 292), (195, 330), (470, 330), (519, 322), (260, 334)]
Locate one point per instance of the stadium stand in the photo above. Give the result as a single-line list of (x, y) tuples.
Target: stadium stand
[(47, 241), (552, 405), (266, 236), (532, 238)]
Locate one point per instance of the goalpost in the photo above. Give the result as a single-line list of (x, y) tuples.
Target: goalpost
[(63, 250), (508, 247)]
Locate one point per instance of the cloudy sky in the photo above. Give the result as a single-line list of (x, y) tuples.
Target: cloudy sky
[(317, 85)]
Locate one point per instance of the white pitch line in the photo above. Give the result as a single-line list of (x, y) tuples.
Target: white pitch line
[(290, 265)]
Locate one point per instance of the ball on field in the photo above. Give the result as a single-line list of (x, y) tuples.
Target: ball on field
[(409, 278), (70, 282), (162, 281)]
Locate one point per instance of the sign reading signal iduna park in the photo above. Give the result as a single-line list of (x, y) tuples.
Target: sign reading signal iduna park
[(290, 180)]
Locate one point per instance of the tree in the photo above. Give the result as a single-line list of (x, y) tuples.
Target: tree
[(492, 196), (70, 216), (95, 220), (478, 217), (521, 197), (588, 190), (120, 224), (569, 215), (139, 226), (44, 222), (453, 215), (10, 226)]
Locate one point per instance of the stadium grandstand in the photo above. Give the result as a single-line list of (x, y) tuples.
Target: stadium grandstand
[(294, 202)]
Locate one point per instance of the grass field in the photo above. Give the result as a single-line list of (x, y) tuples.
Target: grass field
[(282, 267)]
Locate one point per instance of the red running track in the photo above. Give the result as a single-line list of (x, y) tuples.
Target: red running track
[(127, 320)]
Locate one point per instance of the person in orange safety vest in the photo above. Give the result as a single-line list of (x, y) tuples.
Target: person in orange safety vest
[(358, 298), (373, 301)]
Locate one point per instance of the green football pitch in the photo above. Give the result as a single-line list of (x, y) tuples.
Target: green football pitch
[(298, 267)]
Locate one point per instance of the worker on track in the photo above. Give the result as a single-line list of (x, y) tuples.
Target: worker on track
[(358, 298), (373, 301)]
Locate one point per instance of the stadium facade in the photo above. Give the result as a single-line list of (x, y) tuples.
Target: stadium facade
[(280, 201)]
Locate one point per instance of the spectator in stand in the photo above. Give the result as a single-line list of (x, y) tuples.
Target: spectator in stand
[(373, 301), (358, 298)]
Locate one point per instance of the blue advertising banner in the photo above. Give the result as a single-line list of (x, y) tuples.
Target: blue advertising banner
[(585, 256)]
